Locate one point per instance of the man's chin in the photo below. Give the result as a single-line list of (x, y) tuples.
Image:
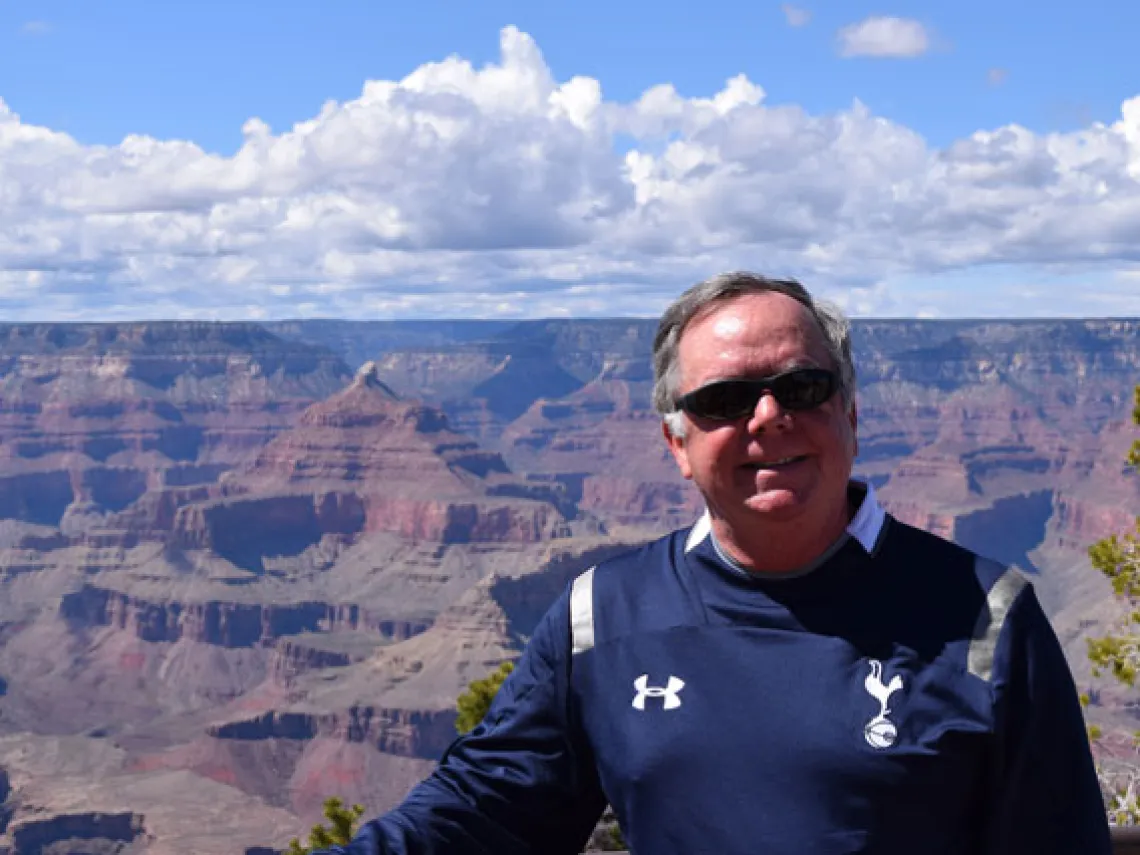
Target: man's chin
[(775, 503)]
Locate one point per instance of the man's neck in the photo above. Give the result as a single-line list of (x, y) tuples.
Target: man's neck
[(785, 547)]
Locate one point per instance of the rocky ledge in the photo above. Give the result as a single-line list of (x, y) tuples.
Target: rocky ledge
[(403, 732), (51, 833), (225, 624)]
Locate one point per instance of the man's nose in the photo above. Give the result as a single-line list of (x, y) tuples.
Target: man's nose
[(768, 414)]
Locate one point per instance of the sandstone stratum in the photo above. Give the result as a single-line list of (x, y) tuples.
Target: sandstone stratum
[(247, 566)]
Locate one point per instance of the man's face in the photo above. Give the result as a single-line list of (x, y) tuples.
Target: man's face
[(775, 466)]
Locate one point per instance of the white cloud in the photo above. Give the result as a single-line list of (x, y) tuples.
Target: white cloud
[(795, 16), (883, 36), (36, 28), (478, 191)]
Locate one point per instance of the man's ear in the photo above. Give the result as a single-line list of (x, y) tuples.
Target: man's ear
[(677, 447)]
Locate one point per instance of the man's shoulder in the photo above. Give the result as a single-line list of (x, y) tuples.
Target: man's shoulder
[(909, 544), (653, 554), (966, 587), (638, 590)]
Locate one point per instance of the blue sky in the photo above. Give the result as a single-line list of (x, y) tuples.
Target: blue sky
[(190, 223), (102, 70)]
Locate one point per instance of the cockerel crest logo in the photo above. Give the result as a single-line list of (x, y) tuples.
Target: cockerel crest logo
[(880, 732)]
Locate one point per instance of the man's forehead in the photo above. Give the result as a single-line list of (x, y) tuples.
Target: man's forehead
[(756, 317), (727, 325), (737, 327), (731, 339)]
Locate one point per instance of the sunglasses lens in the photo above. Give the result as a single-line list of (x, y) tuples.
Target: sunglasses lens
[(728, 399), (801, 389)]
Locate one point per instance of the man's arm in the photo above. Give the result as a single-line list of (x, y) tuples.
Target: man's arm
[(1045, 798), (523, 781)]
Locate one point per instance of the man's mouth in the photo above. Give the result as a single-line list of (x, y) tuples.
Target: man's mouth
[(776, 464)]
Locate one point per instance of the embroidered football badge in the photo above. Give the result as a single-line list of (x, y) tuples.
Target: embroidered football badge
[(670, 692), (880, 732)]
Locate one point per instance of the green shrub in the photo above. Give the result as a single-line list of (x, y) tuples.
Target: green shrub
[(339, 831), (473, 704), (1118, 654)]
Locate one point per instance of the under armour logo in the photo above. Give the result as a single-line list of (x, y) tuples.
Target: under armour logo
[(671, 692), (880, 732)]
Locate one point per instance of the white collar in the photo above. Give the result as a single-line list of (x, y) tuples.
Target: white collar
[(865, 526)]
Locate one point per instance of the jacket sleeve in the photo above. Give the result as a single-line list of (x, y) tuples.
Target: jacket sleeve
[(523, 781), (1045, 798)]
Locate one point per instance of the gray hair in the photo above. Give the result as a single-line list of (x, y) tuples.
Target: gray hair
[(721, 289)]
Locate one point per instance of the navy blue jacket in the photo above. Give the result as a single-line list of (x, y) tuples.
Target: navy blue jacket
[(902, 695)]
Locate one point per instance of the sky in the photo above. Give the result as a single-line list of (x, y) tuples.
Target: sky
[(451, 158)]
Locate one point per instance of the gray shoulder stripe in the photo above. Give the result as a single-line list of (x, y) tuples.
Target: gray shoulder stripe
[(582, 612), (980, 659)]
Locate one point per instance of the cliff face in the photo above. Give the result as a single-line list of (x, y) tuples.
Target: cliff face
[(406, 733), (294, 658), (95, 418), (603, 441), (207, 437), (366, 461), (485, 384), (224, 624), (77, 795), (243, 530), (179, 391), (49, 834), (399, 698)]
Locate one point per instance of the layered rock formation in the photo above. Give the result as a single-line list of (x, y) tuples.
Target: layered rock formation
[(366, 461), (224, 623), (54, 804), (183, 604), (484, 385), (603, 442), (106, 428), (399, 699), (74, 830)]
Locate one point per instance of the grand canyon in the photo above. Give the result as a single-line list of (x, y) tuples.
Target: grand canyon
[(244, 567)]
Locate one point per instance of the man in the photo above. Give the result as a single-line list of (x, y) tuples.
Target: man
[(797, 673)]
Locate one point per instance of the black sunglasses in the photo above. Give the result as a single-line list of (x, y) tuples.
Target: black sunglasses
[(726, 400)]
